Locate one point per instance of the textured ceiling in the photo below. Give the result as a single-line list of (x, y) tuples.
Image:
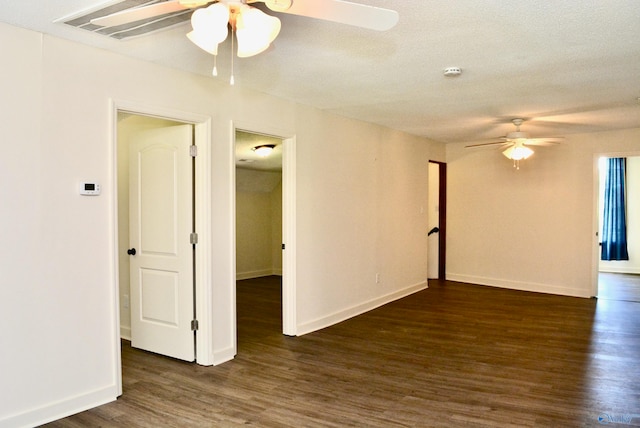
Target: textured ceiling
[(565, 66)]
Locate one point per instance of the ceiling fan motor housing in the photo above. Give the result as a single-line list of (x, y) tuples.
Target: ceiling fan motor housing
[(517, 135)]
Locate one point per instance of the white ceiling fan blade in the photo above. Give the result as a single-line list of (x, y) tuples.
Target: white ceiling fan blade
[(495, 143), (128, 16), (543, 141), (344, 12)]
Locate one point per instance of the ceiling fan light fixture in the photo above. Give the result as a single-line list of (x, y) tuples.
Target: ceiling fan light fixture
[(255, 31), (209, 27), (264, 150), (203, 41), (518, 152)]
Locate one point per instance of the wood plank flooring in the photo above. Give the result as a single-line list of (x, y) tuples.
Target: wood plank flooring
[(454, 355), (619, 286)]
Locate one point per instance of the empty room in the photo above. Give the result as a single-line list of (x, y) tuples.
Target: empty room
[(134, 294)]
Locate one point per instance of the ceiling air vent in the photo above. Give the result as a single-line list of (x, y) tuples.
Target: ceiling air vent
[(133, 29)]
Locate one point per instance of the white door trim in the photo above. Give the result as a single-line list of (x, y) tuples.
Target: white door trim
[(289, 320), (202, 127)]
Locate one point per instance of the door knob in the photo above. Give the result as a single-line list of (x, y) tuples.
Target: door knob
[(131, 251)]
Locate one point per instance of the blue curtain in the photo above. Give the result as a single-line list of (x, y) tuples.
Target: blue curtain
[(614, 227)]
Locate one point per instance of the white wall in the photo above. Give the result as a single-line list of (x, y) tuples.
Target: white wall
[(359, 192), (359, 213), (533, 228), (633, 224)]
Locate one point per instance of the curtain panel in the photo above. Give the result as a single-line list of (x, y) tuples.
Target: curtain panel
[(614, 227)]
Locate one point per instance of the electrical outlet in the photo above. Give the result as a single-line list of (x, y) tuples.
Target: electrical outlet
[(377, 278), (125, 301)]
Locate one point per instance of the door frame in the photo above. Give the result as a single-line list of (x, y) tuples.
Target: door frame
[(289, 318), (442, 219), (202, 275)]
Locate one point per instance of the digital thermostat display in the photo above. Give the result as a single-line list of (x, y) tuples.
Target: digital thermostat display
[(89, 188)]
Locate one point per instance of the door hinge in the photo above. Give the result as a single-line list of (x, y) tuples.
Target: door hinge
[(193, 151), (283, 246), (193, 238), (194, 325)]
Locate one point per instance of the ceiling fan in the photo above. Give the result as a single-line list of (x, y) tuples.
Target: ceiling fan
[(516, 143), (359, 15), (254, 29)]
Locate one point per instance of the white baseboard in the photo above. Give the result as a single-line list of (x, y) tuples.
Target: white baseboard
[(521, 286), (359, 309), (257, 273), (62, 408), (622, 269), (125, 332), (219, 358), (223, 356)]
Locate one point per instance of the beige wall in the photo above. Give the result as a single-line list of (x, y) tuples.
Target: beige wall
[(360, 207), (276, 230), (258, 225), (533, 228)]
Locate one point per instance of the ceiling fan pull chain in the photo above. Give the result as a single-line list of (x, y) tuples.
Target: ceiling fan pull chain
[(214, 72), (233, 35)]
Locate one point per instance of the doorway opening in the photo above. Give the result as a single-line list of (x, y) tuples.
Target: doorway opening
[(619, 279), (129, 119), (258, 227), (437, 215), (258, 206), (265, 217), (128, 126)]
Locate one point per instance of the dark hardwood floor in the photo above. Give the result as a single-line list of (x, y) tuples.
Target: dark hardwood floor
[(454, 355)]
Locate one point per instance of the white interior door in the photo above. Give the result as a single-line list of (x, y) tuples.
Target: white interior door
[(161, 222)]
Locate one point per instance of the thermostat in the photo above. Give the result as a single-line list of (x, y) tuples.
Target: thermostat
[(89, 188)]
